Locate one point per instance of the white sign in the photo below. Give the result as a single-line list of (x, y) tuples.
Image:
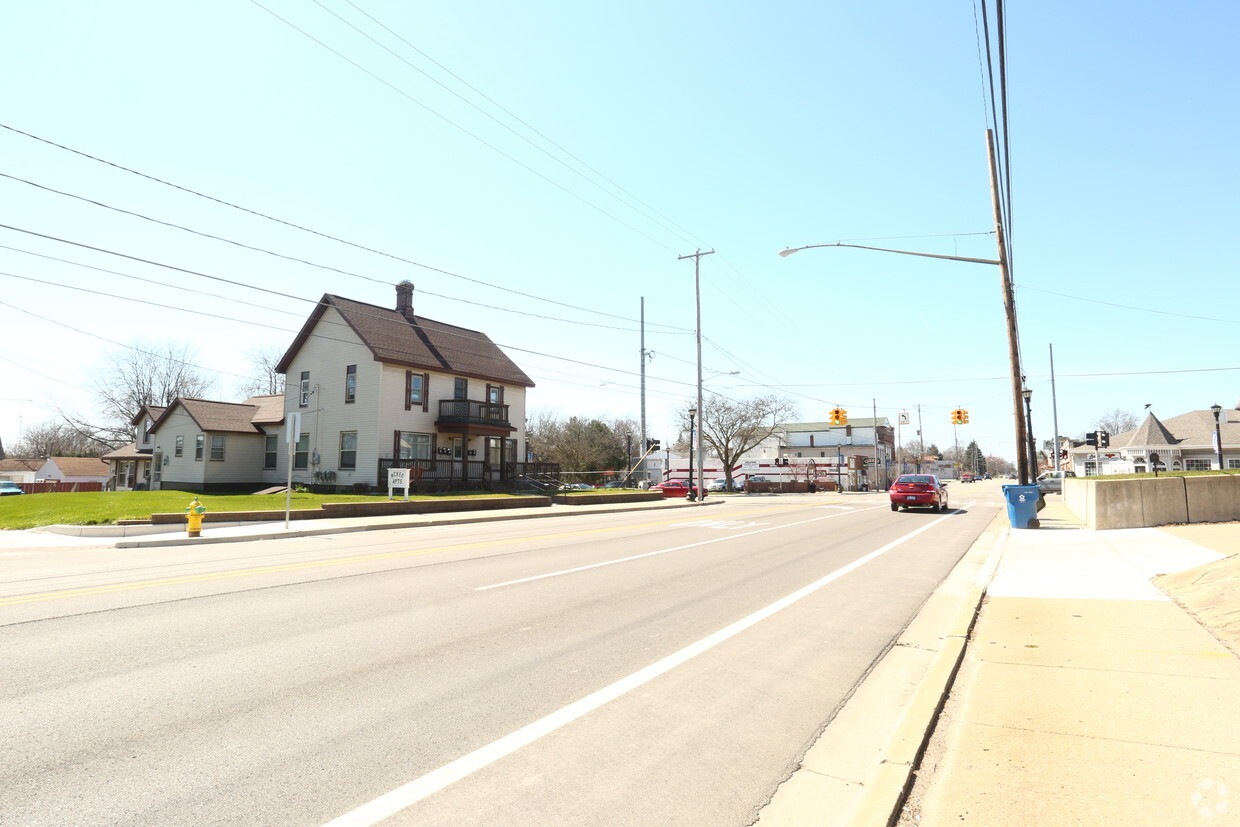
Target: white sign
[(749, 465), (398, 478), (294, 427)]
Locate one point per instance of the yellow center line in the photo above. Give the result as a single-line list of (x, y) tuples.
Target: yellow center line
[(86, 591)]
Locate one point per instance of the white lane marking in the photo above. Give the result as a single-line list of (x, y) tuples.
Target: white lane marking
[(393, 802), (717, 524), (650, 554), (842, 507)]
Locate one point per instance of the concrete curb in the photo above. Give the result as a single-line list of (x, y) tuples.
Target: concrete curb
[(270, 533), (858, 773)]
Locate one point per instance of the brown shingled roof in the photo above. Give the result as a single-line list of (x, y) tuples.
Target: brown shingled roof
[(270, 409), (81, 466), (423, 343), (217, 417)]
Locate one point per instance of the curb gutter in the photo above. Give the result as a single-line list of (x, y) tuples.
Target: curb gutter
[(860, 769)]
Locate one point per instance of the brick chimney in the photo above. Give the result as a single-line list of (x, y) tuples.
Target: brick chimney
[(404, 299)]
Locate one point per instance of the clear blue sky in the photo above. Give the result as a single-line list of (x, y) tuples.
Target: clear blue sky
[(736, 126)]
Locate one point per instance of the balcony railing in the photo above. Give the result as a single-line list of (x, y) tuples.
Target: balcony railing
[(473, 412)]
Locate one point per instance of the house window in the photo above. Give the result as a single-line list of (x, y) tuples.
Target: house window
[(416, 390), (460, 388), (348, 450), (146, 432), (304, 399), (1233, 463), (271, 450), (414, 446), (510, 450), (495, 394), (1091, 469), (199, 442), (180, 449), (217, 448), (1197, 465), (1138, 469), (494, 446), (301, 453), (350, 383)]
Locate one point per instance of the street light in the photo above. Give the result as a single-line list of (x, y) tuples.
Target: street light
[(1033, 451), (1217, 409), (692, 414), (1009, 300)]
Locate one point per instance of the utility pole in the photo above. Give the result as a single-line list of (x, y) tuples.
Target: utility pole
[(644, 443), (1009, 308), (1054, 408), (874, 409), (697, 297), (921, 441)]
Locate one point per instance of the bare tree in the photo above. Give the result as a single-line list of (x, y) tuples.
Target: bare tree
[(143, 374), (265, 381), (1117, 422), (730, 428), (57, 439)]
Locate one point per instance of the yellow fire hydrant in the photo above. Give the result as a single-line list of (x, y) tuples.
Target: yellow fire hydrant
[(193, 518)]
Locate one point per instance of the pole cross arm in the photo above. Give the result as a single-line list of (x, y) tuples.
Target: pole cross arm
[(790, 250)]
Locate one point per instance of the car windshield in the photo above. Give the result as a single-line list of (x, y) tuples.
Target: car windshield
[(915, 478)]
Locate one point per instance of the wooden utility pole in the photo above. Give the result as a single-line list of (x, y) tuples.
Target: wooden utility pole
[(1009, 308)]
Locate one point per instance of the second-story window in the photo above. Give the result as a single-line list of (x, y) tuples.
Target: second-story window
[(416, 392), (460, 388), (495, 394), (304, 399), (350, 383)]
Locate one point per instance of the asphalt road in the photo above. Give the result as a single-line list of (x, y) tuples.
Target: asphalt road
[(622, 669)]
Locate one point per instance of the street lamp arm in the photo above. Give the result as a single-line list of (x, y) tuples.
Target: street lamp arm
[(790, 250)]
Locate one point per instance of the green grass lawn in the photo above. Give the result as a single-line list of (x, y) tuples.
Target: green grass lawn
[(1150, 475), (106, 507)]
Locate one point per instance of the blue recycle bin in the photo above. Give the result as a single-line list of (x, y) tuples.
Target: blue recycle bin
[(1022, 505)]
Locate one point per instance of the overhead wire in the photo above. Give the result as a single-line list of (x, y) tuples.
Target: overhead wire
[(319, 233), (456, 125)]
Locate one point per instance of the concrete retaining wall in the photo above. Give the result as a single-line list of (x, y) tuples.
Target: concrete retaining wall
[(1153, 501), (604, 499)]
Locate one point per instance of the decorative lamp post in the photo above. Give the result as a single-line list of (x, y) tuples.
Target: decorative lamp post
[(1030, 448), (1217, 409), (692, 414)]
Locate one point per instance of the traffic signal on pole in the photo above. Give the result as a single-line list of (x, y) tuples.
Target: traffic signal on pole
[(838, 416), (652, 445), (1104, 439), (956, 416), (964, 417), (1091, 438)]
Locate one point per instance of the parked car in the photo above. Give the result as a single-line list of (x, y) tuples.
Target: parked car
[(615, 484), (675, 488), (967, 478), (920, 490), (577, 486), (8, 487), (721, 484), (1052, 481)]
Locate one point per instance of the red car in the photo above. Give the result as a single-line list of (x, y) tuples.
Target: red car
[(675, 488), (921, 490)]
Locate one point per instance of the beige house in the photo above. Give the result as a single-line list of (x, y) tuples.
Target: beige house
[(19, 470), (368, 389), (1180, 443)]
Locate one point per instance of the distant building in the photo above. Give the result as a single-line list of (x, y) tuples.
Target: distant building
[(1180, 443)]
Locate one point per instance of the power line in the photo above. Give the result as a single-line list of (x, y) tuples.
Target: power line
[(320, 234)]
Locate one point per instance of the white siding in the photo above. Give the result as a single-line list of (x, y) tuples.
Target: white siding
[(182, 469), (326, 356)]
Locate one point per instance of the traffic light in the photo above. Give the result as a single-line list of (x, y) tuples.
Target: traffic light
[(958, 417), (1091, 438), (838, 416), (964, 417), (652, 445), (1104, 439)]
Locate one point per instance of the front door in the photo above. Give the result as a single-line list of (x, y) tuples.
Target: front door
[(157, 462)]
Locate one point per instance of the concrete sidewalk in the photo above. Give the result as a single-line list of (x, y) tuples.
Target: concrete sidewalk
[(1087, 695)]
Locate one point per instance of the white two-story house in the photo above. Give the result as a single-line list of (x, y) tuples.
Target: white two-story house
[(370, 388)]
